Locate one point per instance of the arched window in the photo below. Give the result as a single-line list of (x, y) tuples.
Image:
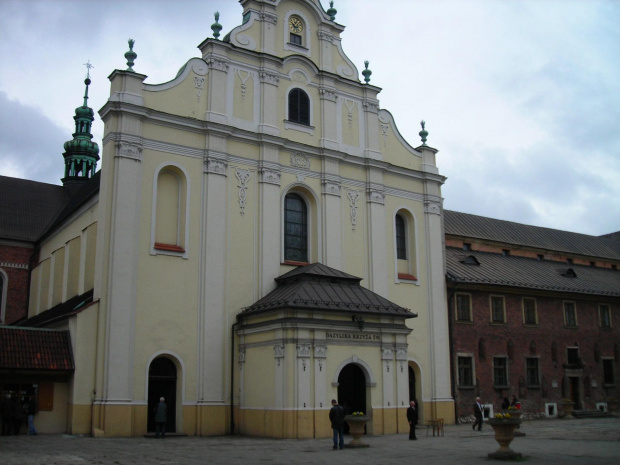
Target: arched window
[(295, 228), (404, 240), (299, 107), (401, 238), (170, 211)]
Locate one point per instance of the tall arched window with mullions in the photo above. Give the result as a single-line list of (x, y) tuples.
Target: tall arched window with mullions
[(299, 107), (295, 229)]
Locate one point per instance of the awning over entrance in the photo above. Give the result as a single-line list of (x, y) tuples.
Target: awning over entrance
[(35, 350), (319, 287)]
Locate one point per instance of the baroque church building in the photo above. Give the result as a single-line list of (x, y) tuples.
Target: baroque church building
[(259, 240)]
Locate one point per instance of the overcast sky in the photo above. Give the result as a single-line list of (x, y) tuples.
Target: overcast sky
[(521, 98)]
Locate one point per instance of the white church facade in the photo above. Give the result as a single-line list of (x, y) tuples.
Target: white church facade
[(262, 240)]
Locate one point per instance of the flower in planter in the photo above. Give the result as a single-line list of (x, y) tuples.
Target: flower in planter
[(502, 416), (358, 414)]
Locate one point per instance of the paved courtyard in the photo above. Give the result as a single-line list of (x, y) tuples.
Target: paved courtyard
[(566, 442)]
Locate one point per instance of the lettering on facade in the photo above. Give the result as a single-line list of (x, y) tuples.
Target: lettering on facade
[(354, 336)]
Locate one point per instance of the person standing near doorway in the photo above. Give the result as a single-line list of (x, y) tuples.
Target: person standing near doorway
[(336, 416), (412, 418), (32, 410), (477, 414), (161, 417), (9, 411)]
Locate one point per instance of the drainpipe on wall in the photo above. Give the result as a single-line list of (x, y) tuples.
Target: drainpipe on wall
[(452, 279), (232, 378)]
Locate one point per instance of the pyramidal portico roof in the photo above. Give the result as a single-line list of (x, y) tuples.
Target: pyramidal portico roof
[(319, 287)]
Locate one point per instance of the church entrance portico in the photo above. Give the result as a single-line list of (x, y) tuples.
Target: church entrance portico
[(347, 343)]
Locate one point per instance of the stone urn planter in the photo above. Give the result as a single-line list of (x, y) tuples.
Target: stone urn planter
[(504, 429), (357, 423), (516, 414), (568, 408)]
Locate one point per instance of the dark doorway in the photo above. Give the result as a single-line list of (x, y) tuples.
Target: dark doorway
[(162, 383), (412, 395), (573, 385), (352, 391)]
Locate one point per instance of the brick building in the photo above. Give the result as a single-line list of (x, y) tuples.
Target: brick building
[(533, 313), (27, 208)]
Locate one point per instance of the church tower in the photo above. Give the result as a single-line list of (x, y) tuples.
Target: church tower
[(81, 153)]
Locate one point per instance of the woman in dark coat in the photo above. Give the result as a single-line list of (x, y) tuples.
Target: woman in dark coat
[(161, 416)]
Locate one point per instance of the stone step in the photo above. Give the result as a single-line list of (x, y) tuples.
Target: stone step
[(589, 414)]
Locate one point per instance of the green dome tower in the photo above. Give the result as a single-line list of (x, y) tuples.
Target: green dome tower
[(81, 153)]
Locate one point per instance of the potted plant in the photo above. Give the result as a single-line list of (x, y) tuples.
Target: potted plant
[(357, 423), (504, 426), (568, 407)]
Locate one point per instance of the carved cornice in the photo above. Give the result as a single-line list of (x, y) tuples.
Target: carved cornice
[(129, 150), (401, 354), (328, 94), (432, 207), (270, 176), (331, 187), (278, 350), (269, 78), (371, 106), (216, 165), (219, 64), (268, 17), (303, 350), (376, 195), (320, 351), (323, 35), (387, 353)]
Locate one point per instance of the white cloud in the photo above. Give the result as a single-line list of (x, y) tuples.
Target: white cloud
[(521, 98)]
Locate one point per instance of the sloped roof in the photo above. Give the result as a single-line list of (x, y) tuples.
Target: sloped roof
[(508, 232), (35, 349), (59, 312), (530, 273), (27, 207), (319, 287), (30, 209)]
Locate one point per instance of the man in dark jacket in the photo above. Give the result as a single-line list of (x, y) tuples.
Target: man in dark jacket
[(336, 416), (412, 418), (161, 416)]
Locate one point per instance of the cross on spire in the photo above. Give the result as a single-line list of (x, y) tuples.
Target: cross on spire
[(88, 68)]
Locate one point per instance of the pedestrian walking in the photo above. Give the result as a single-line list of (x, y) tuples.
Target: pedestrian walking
[(477, 414)]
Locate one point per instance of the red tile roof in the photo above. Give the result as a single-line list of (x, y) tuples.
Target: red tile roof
[(35, 349)]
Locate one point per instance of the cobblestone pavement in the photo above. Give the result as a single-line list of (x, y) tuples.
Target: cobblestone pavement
[(566, 442)]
